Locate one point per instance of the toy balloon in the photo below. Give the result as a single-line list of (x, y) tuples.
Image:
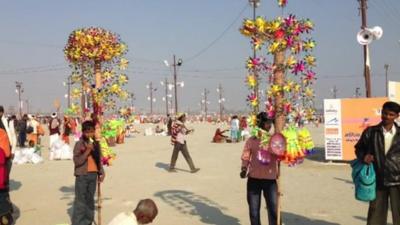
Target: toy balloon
[(277, 144)]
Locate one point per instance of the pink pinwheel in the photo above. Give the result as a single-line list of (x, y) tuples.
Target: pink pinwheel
[(252, 63), (299, 67), (252, 99), (289, 41), (290, 20), (310, 75), (270, 110), (287, 107)]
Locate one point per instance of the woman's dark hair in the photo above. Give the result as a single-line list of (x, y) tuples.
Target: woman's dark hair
[(391, 106), (263, 118), (87, 125)]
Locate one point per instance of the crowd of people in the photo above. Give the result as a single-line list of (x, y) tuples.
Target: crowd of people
[(378, 145)]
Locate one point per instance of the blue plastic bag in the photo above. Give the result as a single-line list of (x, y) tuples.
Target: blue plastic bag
[(364, 179)]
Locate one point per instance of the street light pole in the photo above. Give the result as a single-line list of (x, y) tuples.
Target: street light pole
[(386, 80), (27, 105), (220, 101), (358, 94), (151, 97), (175, 64), (175, 86), (206, 92), (166, 96), (334, 92), (19, 89), (367, 72)]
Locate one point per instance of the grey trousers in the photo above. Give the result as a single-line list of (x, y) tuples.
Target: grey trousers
[(378, 209), (85, 188), (181, 148)]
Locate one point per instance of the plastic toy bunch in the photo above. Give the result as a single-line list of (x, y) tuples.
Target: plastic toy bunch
[(87, 48), (290, 35), (108, 155), (94, 44), (299, 145), (290, 147)]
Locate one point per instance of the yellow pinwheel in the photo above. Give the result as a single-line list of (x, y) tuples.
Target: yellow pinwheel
[(76, 93), (276, 89), (261, 24), (310, 60), (308, 92), (309, 45), (274, 47), (122, 79), (291, 61), (251, 81), (123, 64), (107, 75)]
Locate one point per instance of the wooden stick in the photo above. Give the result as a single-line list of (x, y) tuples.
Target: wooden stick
[(280, 120), (278, 197), (98, 202)]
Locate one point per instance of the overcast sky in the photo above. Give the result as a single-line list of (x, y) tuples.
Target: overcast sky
[(204, 33)]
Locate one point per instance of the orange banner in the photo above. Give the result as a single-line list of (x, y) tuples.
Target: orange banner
[(358, 114)]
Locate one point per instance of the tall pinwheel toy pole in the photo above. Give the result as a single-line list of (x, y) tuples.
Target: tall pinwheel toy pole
[(95, 54), (289, 95)]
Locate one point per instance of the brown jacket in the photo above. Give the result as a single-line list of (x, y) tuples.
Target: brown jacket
[(81, 161)]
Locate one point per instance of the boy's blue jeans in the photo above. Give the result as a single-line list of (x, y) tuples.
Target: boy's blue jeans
[(269, 190), (85, 188)]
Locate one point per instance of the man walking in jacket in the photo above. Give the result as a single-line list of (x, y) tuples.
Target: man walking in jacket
[(380, 145), (178, 139)]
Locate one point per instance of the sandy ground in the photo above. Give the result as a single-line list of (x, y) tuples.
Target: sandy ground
[(315, 193)]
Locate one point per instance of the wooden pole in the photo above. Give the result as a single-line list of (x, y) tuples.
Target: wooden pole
[(98, 201), (97, 109), (279, 78)]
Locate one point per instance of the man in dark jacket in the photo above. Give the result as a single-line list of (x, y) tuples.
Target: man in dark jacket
[(380, 145)]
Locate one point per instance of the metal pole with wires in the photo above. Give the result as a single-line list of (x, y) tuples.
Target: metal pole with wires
[(367, 72), (386, 79), (221, 101), (151, 98), (19, 90)]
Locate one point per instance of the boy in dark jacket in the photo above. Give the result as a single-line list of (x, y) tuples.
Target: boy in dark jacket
[(88, 168), (380, 145)]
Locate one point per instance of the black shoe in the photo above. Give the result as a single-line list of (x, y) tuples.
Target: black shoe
[(195, 170), (172, 170)]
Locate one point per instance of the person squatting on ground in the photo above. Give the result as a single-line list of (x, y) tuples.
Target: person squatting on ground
[(380, 145), (219, 136), (88, 168), (261, 177), (145, 212), (178, 139)]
